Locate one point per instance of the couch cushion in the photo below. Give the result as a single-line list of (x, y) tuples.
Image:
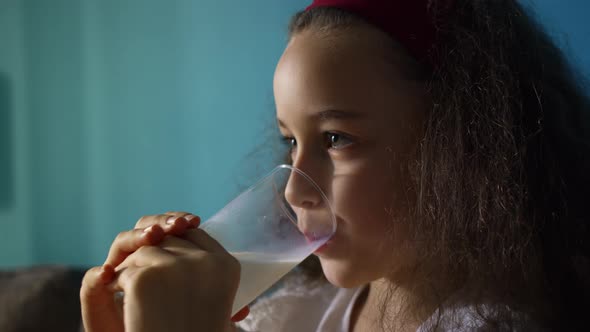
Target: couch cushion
[(41, 298)]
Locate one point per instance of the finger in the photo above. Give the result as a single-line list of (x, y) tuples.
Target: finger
[(98, 309), (172, 224), (142, 258), (178, 245), (177, 226), (177, 213), (161, 219), (147, 256), (203, 240), (95, 279), (193, 219), (123, 281), (127, 242), (241, 315)]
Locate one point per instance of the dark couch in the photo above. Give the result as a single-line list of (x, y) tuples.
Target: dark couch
[(43, 298)]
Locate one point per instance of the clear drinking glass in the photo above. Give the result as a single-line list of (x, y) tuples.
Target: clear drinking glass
[(271, 227)]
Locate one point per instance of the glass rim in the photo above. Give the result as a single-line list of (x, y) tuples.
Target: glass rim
[(310, 180)]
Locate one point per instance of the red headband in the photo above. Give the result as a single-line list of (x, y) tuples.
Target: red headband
[(409, 22)]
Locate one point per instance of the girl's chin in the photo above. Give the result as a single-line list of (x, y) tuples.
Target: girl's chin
[(340, 276)]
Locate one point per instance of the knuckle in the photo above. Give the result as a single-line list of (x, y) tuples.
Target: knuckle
[(147, 221), (171, 242), (120, 237), (151, 277), (141, 222), (144, 250), (199, 256), (88, 276), (177, 213), (194, 258), (154, 251), (88, 280)]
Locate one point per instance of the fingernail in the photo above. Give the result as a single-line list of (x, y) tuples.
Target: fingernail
[(189, 217), (149, 229), (171, 220)]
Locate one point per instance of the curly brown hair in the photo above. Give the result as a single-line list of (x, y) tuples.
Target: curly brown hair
[(501, 174)]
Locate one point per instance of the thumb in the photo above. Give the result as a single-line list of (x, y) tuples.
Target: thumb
[(99, 312)]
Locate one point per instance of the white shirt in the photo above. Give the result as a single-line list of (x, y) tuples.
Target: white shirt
[(297, 306)]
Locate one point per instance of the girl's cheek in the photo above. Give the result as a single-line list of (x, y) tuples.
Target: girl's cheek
[(357, 199), (362, 190)]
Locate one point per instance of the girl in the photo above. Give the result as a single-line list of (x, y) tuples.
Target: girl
[(450, 137)]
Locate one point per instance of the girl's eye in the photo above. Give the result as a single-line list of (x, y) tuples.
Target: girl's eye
[(337, 141), (290, 141), (332, 141)]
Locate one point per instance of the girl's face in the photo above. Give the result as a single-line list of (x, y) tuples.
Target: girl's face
[(353, 119)]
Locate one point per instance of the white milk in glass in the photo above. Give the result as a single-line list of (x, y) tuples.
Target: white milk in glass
[(259, 272)]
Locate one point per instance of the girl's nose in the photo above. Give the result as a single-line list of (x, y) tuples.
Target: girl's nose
[(301, 192)]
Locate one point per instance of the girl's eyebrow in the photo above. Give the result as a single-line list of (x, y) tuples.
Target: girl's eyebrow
[(336, 115), (328, 115)]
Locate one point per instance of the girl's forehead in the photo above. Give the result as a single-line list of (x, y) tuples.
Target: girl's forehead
[(353, 51), (339, 72)]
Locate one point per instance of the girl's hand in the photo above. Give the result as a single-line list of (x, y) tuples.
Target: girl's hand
[(185, 284), (150, 230), (99, 310)]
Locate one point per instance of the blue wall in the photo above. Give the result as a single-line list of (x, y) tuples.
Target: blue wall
[(567, 22), (122, 108)]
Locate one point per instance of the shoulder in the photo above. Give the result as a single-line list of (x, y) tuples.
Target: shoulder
[(282, 307), (479, 318)]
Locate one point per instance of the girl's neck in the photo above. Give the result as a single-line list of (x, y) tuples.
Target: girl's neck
[(368, 312)]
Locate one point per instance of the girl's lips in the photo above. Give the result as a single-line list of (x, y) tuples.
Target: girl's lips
[(323, 247), (311, 237)]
